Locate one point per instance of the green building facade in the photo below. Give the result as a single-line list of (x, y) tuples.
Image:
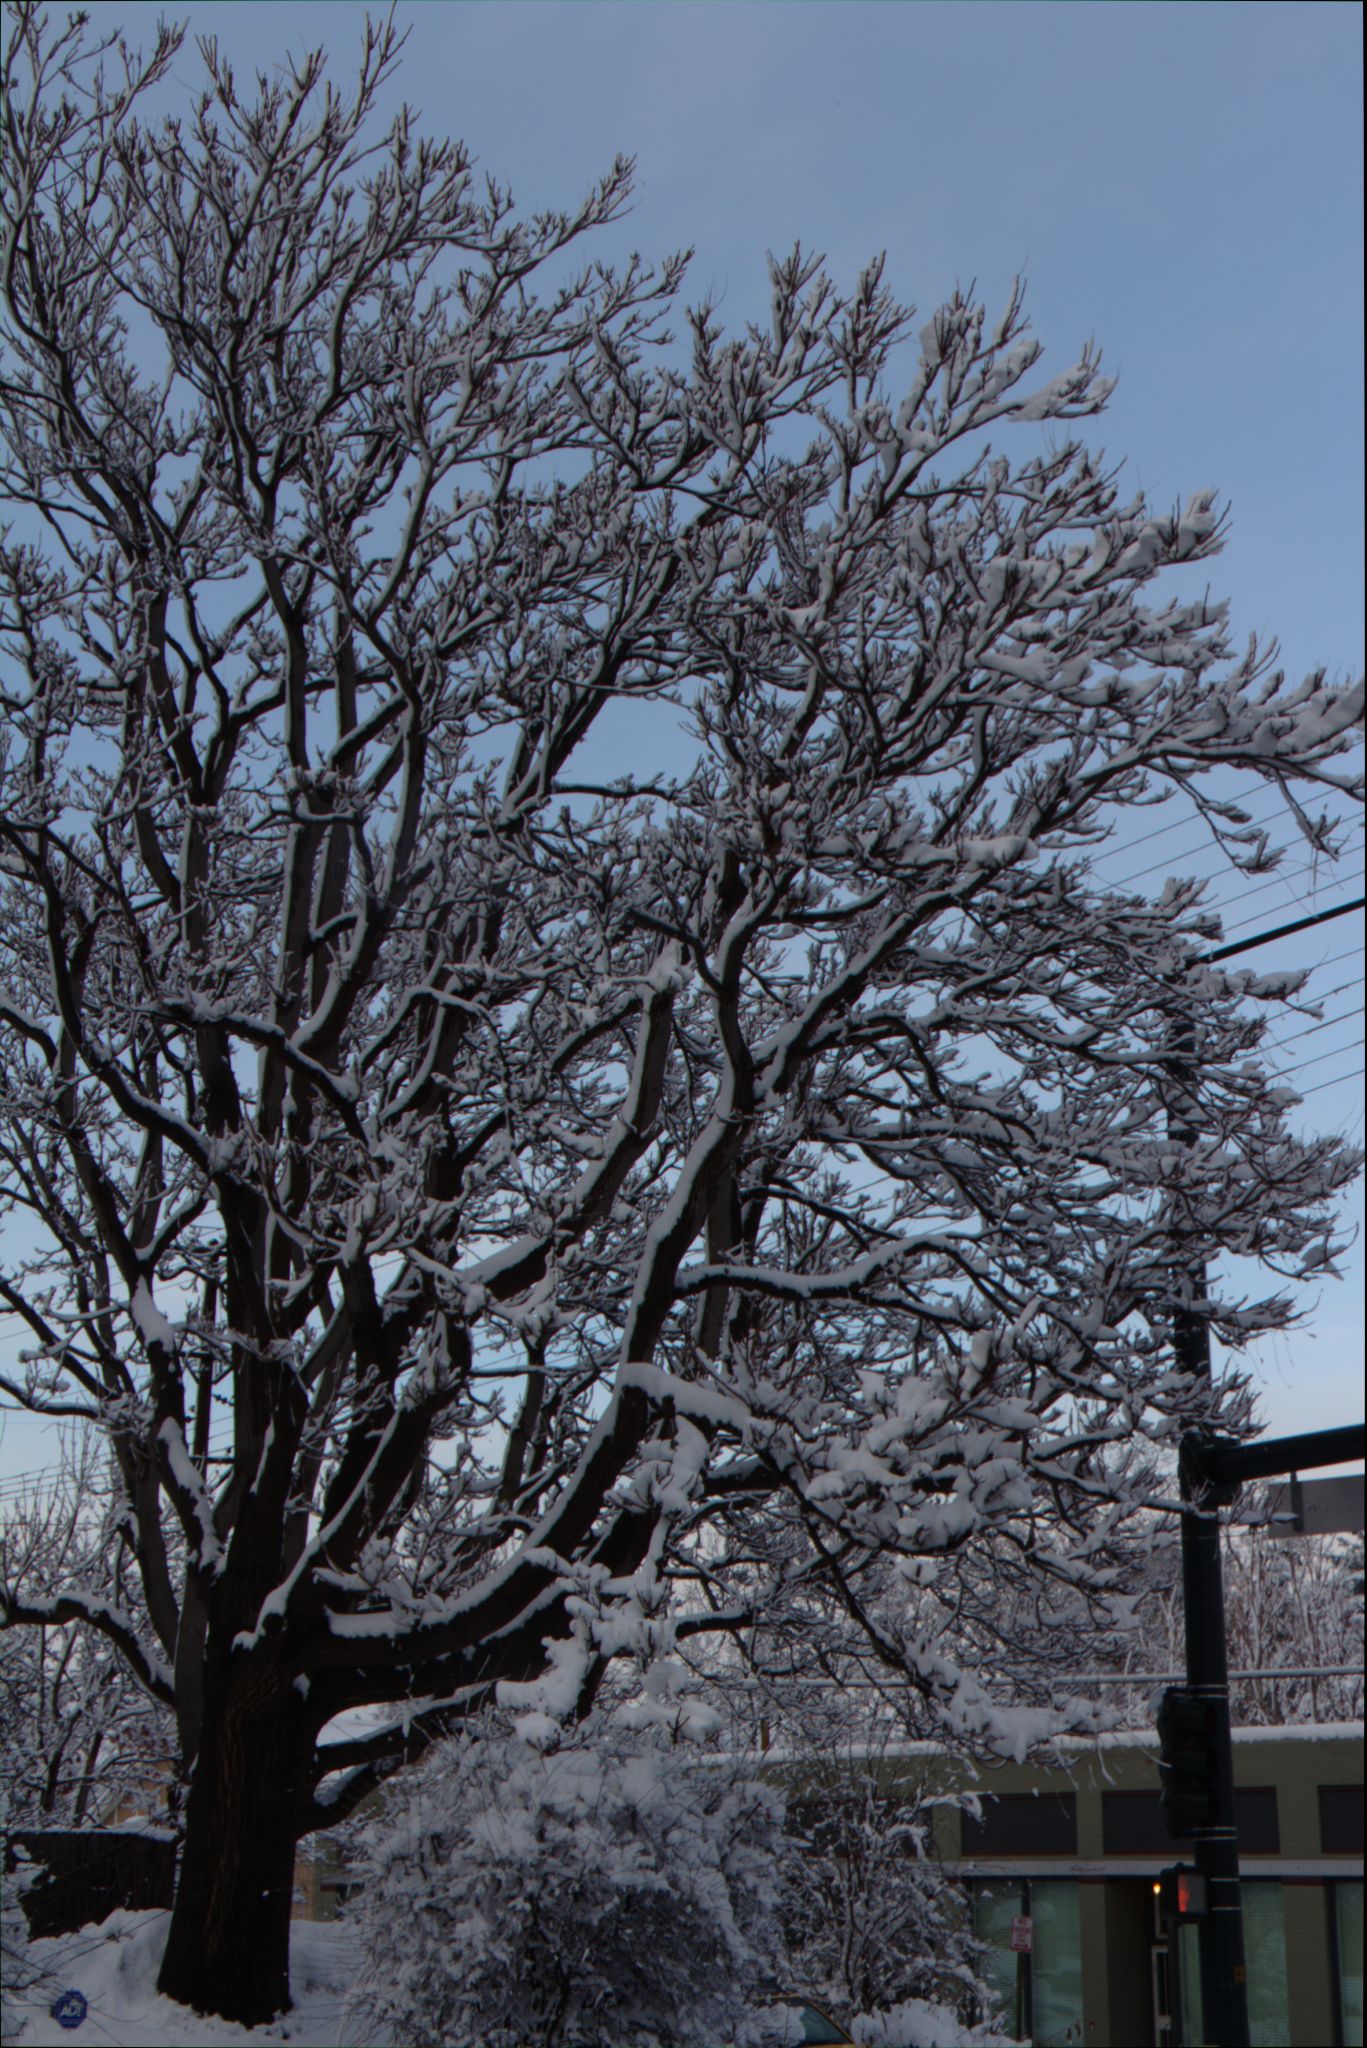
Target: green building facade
[(1075, 1852)]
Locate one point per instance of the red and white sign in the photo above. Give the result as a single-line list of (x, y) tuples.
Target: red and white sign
[(1022, 1934)]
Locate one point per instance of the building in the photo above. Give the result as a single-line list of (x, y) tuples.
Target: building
[(1077, 1850)]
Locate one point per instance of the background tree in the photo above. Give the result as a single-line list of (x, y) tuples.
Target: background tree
[(874, 1923), (18, 1969), (79, 1734), (504, 1211), (1293, 1605)]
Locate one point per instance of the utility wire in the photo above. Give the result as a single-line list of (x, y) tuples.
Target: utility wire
[(1299, 1066), (1334, 960), (1181, 853), (1334, 1081), (1251, 893), (1285, 881), (1227, 906), (1344, 1017), (1143, 839), (1280, 932)]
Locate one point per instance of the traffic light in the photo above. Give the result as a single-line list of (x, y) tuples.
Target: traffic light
[(1187, 1728), (1181, 1893)]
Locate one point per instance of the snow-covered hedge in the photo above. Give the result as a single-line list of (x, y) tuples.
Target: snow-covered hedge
[(613, 1888), (919, 2023)]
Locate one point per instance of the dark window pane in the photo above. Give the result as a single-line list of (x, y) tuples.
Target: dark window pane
[(1341, 1820), (1348, 1910), (1019, 1824), (1255, 1816), (1132, 1823)]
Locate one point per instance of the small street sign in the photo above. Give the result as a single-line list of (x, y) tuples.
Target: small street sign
[(69, 2009), (1022, 1934), (1315, 1507)]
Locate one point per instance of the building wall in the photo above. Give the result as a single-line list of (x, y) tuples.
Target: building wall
[(1115, 1892)]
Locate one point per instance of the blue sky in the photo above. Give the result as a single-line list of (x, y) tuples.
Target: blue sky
[(1182, 183)]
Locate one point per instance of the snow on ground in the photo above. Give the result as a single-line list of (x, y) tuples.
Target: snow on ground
[(115, 1967), (926, 2026)]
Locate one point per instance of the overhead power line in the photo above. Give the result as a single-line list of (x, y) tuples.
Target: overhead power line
[(1299, 1066), (1237, 902), (1281, 931), (1191, 853), (1177, 824), (1334, 1081), (1352, 1016)]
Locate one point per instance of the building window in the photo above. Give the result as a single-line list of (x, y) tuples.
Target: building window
[(1269, 2024), (1269, 2021), (1022, 1824), (995, 1906), (1056, 1963), (1348, 1955), (1132, 1824), (1038, 1997), (1341, 1820)]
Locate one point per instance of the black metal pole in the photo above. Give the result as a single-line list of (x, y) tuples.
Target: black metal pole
[(1224, 1996)]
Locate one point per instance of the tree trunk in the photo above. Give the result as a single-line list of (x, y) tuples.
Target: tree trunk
[(228, 1948)]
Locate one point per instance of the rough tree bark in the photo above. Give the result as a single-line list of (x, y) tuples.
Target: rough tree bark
[(228, 1946)]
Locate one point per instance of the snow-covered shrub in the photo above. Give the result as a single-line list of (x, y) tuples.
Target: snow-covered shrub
[(609, 1888), (17, 1968), (921, 2023)]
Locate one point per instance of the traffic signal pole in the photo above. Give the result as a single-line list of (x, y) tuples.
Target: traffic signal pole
[(1209, 1472), (1224, 1989), (1224, 1994)]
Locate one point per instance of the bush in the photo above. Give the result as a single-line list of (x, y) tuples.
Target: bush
[(921, 2023), (876, 1923), (604, 1888), (18, 1972)]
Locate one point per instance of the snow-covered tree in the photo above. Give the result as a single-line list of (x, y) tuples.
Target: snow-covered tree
[(613, 1887), (505, 1207), (1290, 1605), (875, 1922), (77, 1731)]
